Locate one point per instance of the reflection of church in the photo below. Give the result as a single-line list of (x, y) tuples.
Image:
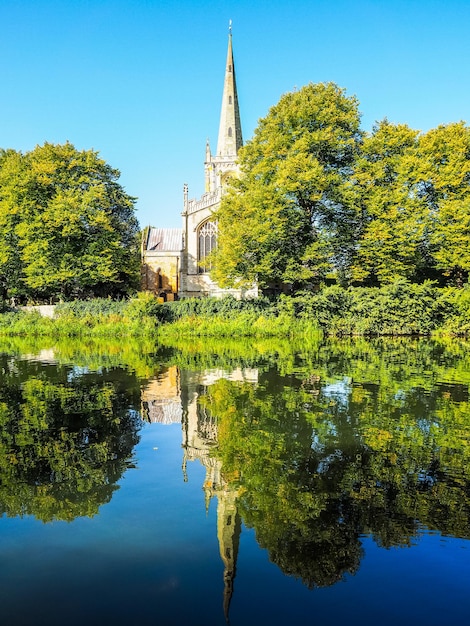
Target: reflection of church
[(199, 426), (161, 402), (173, 259)]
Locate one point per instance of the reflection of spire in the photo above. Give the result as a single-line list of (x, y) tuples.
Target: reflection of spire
[(228, 534), (200, 433), (183, 467)]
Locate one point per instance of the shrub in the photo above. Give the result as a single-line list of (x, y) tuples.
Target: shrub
[(96, 307), (227, 306), (144, 305), (456, 303)]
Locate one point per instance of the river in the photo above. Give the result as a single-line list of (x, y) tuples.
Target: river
[(256, 483)]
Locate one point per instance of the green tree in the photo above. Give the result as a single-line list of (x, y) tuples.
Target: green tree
[(392, 221), (70, 225), (13, 185), (443, 184), (287, 218), (413, 195)]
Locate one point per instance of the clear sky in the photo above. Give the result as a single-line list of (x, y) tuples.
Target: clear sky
[(140, 81)]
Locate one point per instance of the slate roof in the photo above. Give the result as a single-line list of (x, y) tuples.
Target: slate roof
[(165, 239)]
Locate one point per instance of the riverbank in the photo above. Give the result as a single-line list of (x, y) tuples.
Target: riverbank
[(100, 318), (399, 309)]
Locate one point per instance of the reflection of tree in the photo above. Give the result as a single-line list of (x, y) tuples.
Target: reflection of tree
[(321, 461), (136, 354), (299, 515), (420, 451), (63, 444)]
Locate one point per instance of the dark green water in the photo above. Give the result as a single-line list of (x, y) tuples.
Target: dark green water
[(259, 484)]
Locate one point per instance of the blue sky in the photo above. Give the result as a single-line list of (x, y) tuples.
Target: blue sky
[(141, 81)]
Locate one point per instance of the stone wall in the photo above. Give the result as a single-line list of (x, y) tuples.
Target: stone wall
[(160, 274), (44, 310)]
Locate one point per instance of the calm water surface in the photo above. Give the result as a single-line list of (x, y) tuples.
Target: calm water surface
[(256, 484)]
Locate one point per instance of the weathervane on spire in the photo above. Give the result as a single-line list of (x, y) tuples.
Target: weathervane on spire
[(230, 27)]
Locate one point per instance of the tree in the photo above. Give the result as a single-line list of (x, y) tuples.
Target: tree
[(413, 194), (393, 224), (443, 183), (13, 179), (71, 227), (287, 218)]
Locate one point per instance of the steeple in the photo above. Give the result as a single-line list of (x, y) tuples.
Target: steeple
[(230, 129)]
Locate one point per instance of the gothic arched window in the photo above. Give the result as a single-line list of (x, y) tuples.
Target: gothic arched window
[(230, 99), (207, 242), (230, 131)]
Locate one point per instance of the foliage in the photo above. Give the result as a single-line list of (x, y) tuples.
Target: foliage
[(444, 185), (400, 308), (142, 307), (67, 228), (96, 318), (96, 307), (413, 191), (317, 199), (284, 218), (392, 221), (228, 307), (457, 321)]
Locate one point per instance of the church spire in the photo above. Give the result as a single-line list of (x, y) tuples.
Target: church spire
[(230, 129)]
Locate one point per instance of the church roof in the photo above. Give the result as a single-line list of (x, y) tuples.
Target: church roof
[(165, 239)]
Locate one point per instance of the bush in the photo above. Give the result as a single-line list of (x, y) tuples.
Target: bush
[(457, 305), (401, 308), (97, 307), (227, 306), (144, 305)]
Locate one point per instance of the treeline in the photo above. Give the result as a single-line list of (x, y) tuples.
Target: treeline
[(67, 228), (318, 198)]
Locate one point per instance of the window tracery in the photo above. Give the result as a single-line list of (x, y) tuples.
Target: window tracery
[(207, 242)]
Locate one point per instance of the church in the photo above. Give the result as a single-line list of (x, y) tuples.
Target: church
[(174, 259)]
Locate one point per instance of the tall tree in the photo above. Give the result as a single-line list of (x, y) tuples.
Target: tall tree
[(13, 184), (392, 219), (443, 183), (72, 225), (287, 218)]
